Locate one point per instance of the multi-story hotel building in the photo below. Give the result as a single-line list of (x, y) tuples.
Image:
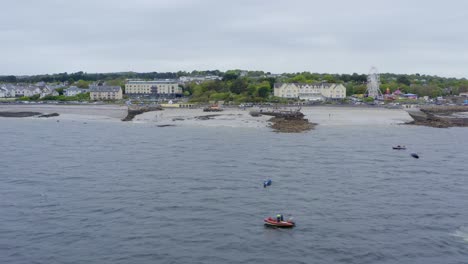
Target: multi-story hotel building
[(156, 87), (310, 91)]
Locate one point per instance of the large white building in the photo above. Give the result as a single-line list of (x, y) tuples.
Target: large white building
[(156, 87), (310, 91)]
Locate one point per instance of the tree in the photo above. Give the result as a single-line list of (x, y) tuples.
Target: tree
[(230, 75), (359, 78), (404, 80), (329, 78), (82, 84), (9, 79), (239, 86), (60, 91), (252, 90), (299, 79), (264, 90), (219, 96), (198, 90), (116, 82), (358, 89), (35, 97), (214, 85)]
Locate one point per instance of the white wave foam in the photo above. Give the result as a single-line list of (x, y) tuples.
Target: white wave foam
[(462, 233)]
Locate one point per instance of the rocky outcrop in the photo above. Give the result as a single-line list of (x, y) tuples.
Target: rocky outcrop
[(49, 115), (286, 121), (19, 114), (296, 125), (137, 110), (440, 117)]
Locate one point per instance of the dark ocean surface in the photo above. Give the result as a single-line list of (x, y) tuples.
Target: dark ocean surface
[(112, 192)]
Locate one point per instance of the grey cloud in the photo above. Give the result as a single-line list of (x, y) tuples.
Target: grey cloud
[(279, 36)]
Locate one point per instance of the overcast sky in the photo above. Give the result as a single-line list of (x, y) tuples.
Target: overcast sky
[(400, 36)]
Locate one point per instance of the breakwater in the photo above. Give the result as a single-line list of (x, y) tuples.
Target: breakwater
[(137, 110), (440, 117)]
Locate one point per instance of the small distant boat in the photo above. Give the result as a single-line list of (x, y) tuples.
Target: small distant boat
[(274, 223), (414, 155), (266, 183), (399, 147), (213, 108)]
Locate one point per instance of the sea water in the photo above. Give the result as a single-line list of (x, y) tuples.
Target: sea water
[(113, 192)]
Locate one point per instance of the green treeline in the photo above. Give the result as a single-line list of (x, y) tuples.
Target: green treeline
[(93, 77), (257, 86)]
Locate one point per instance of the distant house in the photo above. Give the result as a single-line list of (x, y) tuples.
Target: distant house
[(464, 94), (310, 91), (105, 92), (47, 90), (73, 90), (3, 92), (198, 79), (18, 90), (7, 90), (274, 75), (40, 84), (27, 90)]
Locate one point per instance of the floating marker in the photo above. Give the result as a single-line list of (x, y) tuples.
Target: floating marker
[(266, 183)]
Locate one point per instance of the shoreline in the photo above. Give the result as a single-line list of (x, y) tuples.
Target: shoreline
[(233, 117), (99, 111)]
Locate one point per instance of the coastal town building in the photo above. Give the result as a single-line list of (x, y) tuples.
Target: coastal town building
[(310, 91), (73, 91), (3, 92), (105, 92), (274, 75), (198, 79), (7, 91), (19, 90), (167, 87), (48, 90), (26, 90)]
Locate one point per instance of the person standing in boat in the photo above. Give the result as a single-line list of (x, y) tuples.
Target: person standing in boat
[(279, 218)]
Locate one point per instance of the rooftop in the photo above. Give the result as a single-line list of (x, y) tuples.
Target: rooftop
[(104, 88), (165, 81), (320, 84)]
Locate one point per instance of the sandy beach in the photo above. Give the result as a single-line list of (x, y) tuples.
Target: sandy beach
[(71, 112), (230, 117), (323, 116)]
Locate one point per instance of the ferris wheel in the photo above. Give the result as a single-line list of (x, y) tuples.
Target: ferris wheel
[(373, 84)]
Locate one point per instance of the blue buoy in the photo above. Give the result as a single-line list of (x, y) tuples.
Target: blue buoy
[(266, 183), (414, 155)]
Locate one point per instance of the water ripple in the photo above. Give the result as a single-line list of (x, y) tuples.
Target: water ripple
[(194, 196)]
